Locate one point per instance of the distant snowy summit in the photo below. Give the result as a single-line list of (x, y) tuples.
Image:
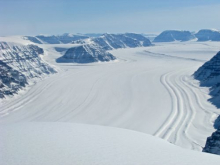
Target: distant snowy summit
[(174, 35), (55, 39), (209, 75), (116, 41), (19, 65), (208, 35), (177, 35)]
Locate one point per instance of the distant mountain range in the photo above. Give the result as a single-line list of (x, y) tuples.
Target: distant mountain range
[(208, 35), (116, 41), (21, 64), (55, 39), (177, 35), (165, 36), (94, 49)]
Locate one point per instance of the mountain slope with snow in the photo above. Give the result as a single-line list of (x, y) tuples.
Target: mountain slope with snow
[(65, 143), (174, 35), (208, 35), (209, 75), (94, 49), (18, 64), (86, 54), (116, 41)]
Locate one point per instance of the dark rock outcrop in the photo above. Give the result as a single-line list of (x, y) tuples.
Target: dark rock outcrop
[(10, 80), (209, 73), (213, 143), (209, 76)]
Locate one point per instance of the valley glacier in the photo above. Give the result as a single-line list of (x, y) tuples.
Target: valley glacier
[(149, 90)]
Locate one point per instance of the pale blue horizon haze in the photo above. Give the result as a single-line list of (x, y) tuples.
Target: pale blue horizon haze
[(32, 17)]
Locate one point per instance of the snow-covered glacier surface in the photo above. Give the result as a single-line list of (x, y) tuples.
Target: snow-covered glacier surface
[(57, 143), (150, 90)]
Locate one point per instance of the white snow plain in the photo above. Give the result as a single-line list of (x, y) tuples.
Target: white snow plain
[(67, 144), (148, 89)]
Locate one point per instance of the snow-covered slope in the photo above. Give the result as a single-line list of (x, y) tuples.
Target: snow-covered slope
[(18, 64), (208, 35), (67, 144), (174, 35), (86, 54)]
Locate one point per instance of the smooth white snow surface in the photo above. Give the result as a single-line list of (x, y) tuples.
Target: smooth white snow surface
[(149, 90), (68, 144)]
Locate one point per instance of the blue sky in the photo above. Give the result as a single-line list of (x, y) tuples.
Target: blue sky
[(31, 17)]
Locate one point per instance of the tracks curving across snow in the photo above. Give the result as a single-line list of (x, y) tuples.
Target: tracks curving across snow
[(186, 105)]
